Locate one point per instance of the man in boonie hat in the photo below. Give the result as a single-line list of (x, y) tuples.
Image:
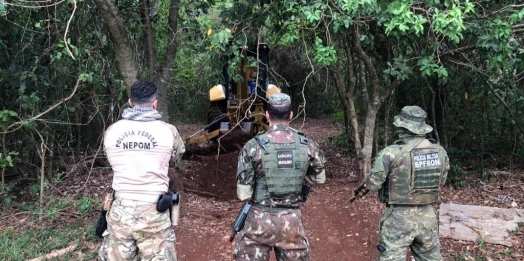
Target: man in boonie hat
[(271, 172), (408, 175), (412, 118)]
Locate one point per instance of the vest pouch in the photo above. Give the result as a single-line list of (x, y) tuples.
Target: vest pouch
[(416, 178), (284, 170), (426, 170), (164, 202)]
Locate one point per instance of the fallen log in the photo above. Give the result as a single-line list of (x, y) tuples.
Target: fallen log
[(202, 192), (55, 253), (204, 216)]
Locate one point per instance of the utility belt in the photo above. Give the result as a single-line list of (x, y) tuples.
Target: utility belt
[(136, 199), (276, 207), (163, 202)]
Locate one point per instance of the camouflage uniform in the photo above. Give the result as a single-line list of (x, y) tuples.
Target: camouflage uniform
[(273, 222), (135, 225), (408, 175)]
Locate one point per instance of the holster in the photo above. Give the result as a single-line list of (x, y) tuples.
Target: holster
[(164, 202), (101, 225)]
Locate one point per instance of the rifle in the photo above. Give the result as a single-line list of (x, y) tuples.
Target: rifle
[(305, 191), (238, 224), (359, 192)]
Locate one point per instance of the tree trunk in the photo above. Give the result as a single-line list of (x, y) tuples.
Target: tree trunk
[(374, 100), (124, 55), (158, 72), (166, 68), (365, 154)]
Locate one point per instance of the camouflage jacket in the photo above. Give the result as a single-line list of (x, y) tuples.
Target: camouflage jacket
[(250, 161), (384, 160)]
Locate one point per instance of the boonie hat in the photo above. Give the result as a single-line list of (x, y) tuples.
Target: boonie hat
[(279, 99), (412, 118)]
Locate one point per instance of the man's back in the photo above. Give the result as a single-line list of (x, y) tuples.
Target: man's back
[(139, 153)]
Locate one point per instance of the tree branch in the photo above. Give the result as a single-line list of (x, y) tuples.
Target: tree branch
[(21, 123), (375, 82)]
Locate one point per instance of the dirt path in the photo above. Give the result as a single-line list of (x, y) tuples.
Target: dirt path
[(336, 229)]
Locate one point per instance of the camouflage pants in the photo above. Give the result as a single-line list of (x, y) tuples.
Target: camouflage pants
[(268, 229), (409, 226), (137, 231)]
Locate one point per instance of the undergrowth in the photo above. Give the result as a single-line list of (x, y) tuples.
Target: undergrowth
[(35, 242)]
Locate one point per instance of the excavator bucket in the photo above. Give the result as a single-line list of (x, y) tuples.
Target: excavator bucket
[(239, 134)]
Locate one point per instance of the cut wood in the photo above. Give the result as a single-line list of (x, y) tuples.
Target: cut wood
[(471, 222), (55, 253)]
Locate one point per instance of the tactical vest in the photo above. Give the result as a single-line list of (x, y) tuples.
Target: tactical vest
[(284, 166), (416, 178)]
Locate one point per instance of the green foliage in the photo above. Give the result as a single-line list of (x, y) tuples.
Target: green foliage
[(481, 243), (5, 117), (399, 69), (450, 23), (83, 205), (456, 176), (355, 7), (403, 19), (428, 67), (8, 160), (58, 177), (338, 116), (324, 55), (9, 199), (498, 39), (2, 8), (35, 242), (342, 141)]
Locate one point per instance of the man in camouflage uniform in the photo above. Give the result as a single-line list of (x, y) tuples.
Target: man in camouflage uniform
[(271, 170), (139, 149), (408, 176)]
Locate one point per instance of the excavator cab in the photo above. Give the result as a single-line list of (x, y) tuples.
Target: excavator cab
[(237, 109)]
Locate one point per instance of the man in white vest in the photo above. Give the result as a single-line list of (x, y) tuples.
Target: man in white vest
[(139, 148)]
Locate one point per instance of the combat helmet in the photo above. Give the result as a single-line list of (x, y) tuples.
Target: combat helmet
[(413, 118)]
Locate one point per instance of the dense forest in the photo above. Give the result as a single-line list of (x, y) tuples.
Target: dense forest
[(65, 67), (349, 66)]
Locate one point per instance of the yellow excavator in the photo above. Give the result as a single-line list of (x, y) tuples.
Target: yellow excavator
[(237, 109)]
